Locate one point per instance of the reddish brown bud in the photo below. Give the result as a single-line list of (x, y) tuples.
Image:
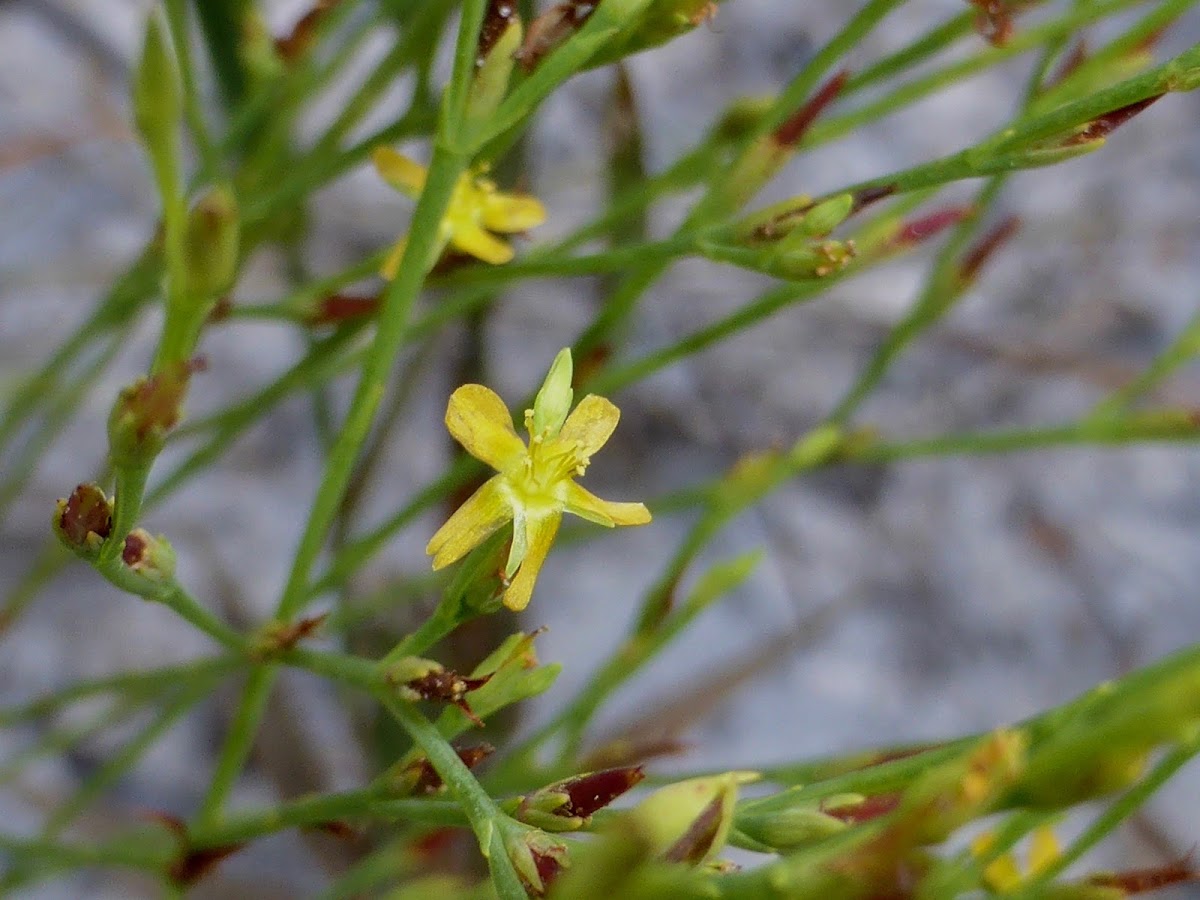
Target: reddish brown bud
[(149, 556), (300, 40), (994, 21), (868, 196), (1140, 881), (276, 637), (338, 829), (84, 519), (428, 781), (549, 30), (567, 805), (985, 248), (1076, 57), (588, 793), (221, 310), (796, 126), (338, 308), (537, 857), (864, 810), (496, 20), (915, 231), (1102, 126), (549, 865), (191, 865), (447, 686), (147, 410), (701, 837)]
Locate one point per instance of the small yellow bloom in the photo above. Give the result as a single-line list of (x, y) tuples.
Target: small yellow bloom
[(535, 484), (477, 209), (1003, 875)]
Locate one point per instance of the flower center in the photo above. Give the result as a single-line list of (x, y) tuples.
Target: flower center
[(550, 460)]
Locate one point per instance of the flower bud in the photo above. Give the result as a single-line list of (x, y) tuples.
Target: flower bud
[(424, 679), (145, 412), (149, 556), (789, 829), (553, 401), (499, 41), (415, 774), (211, 245), (689, 821), (568, 805), (83, 520), (537, 857), (157, 96)]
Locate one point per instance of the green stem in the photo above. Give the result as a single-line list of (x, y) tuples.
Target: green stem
[(307, 812), (177, 22), (1084, 433), (127, 509), (482, 812), (238, 743), (396, 306)]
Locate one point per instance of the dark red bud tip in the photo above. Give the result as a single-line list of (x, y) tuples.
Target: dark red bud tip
[(870, 808), (1104, 125), (86, 511), (868, 196), (994, 21), (548, 867), (1140, 881), (796, 126), (499, 14), (1075, 58), (338, 829), (549, 30), (288, 636), (699, 838), (194, 865), (337, 308), (298, 42), (221, 310), (428, 781), (594, 791), (134, 550), (191, 865), (922, 229), (986, 248), (153, 404)]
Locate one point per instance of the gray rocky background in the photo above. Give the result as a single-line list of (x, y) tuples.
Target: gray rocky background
[(899, 602)]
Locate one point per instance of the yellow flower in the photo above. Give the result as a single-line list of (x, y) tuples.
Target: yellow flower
[(476, 210), (535, 484), (1003, 875)]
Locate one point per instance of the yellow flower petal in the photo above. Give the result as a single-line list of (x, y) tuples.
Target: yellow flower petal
[(1043, 849), (399, 171), (472, 523), (540, 535), (509, 213), (1002, 874), (587, 505), (591, 424), (481, 422), (470, 238), (391, 265)]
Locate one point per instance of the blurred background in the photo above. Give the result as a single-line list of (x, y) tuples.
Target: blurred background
[(902, 602)]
